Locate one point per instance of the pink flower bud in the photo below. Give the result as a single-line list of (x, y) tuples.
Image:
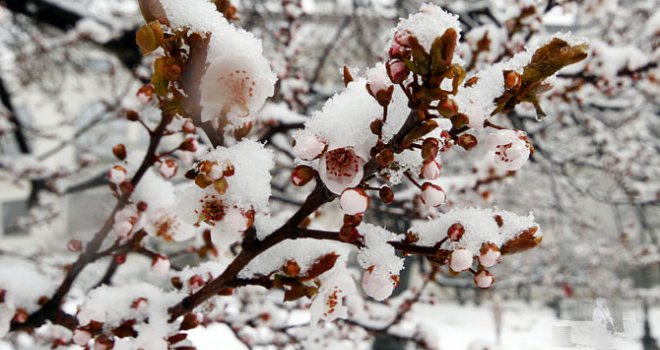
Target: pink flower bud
[(117, 174), (146, 93), (160, 265), (460, 260), (402, 38), (484, 279), (455, 232), (397, 71), (122, 228), (433, 195), (431, 170), (378, 283), (354, 201), (168, 168), (307, 145), (489, 255), (397, 51), (301, 175), (188, 127), (81, 337)]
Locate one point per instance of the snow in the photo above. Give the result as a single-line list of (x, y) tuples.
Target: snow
[(429, 23), (480, 227)]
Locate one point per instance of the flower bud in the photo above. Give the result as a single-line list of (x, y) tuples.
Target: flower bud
[(489, 255), (189, 145), (386, 194), (160, 265), (448, 108), (349, 234), (132, 115), (81, 337), (397, 50), (378, 283), (353, 220), (301, 175), (146, 93), (484, 279), (376, 126), (455, 232), (354, 201), (103, 342), (188, 127), (460, 260), (308, 146), (168, 168), (431, 170), (220, 185), (291, 268), (430, 148), (122, 228), (74, 245), (379, 86), (397, 71), (433, 195), (119, 151), (459, 120), (117, 174), (467, 141), (512, 80), (385, 157)]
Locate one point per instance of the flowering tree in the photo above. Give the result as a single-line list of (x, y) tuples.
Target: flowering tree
[(202, 188)]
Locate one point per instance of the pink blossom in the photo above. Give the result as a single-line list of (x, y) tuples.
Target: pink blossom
[(484, 279), (431, 170), (460, 260), (511, 149), (489, 255), (433, 195), (341, 168), (308, 146)]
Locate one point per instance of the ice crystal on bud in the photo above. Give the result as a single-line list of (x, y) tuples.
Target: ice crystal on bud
[(354, 201), (340, 169)]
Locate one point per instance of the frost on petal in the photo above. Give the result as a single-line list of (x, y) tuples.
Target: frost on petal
[(340, 169)]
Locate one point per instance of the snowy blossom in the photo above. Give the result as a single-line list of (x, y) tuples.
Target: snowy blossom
[(378, 258), (340, 169), (378, 283), (510, 147), (431, 170)]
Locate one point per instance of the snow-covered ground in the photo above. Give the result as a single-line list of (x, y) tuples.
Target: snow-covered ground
[(470, 327)]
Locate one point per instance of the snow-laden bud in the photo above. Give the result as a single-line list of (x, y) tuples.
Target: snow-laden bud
[(378, 283), (160, 265), (301, 175), (489, 255), (341, 168), (189, 145), (291, 268), (484, 279), (103, 342), (397, 71), (117, 174), (74, 245), (467, 141), (385, 157), (119, 151), (432, 195), (386, 194), (146, 93), (81, 337), (402, 38), (431, 170), (122, 228), (307, 146), (511, 149), (455, 232), (379, 86), (397, 50), (348, 233), (354, 201), (168, 168), (460, 260), (188, 127)]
